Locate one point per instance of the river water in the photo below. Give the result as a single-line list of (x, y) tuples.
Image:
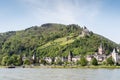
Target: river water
[(59, 74)]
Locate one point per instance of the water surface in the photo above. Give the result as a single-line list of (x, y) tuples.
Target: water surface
[(59, 74)]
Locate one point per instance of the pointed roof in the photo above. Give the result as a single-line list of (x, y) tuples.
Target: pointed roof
[(114, 50), (71, 54), (100, 45)]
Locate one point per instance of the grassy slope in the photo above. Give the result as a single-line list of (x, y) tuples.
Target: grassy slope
[(60, 41)]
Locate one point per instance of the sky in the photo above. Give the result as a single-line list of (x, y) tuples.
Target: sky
[(100, 16)]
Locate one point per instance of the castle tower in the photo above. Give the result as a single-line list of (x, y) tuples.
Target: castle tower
[(115, 56), (100, 49), (85, 31)]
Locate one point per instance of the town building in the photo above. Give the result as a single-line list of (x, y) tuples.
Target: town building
[(48, 59), (89, 57), (75, 58), (64, 59), (100, 55)]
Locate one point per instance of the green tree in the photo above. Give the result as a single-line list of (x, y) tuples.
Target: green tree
[(5, 60), (58, 62), (109, 61), (78, 62), (83, 61), (94, 61), (11, 60), (16, 60), (26, 62), (20, 62)]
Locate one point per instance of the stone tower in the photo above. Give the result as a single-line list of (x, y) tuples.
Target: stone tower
[(85, 31), (115, 56), (100, 49)]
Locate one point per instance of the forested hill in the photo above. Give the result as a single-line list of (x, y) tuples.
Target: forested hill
[(52, 40)]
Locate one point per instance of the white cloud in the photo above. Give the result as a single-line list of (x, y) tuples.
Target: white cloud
[(37, 12), (63, 11), (95, 14)]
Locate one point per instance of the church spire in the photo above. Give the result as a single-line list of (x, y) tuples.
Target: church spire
[(100, 49), (100, 45), (114, 51), (115, 56)]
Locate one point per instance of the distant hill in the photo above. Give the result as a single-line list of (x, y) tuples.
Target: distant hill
[(52, 40)]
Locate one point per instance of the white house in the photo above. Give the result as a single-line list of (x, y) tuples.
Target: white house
[(48, 59), (75, 58), (89, 57)]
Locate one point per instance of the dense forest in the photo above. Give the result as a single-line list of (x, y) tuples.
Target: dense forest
[(52, 40)]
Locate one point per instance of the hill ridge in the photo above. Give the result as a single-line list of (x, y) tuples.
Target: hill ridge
[(52, 40)]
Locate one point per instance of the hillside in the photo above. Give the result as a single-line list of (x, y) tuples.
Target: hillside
[(52, 40)]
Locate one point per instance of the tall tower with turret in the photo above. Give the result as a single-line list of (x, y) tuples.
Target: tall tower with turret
[(115, 56), (100, 49)]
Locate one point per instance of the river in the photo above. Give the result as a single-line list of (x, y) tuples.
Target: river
[(59, 74)]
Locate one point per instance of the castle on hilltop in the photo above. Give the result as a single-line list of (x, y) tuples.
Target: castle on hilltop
[(85, 31)]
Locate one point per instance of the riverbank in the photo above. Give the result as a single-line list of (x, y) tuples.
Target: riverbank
[(92, 67), (77, 67), (56, 66)]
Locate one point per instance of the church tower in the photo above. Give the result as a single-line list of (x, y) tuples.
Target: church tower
[(115, 56), (100, 49)]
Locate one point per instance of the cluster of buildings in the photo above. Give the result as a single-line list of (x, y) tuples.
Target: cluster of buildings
[(100, 55)]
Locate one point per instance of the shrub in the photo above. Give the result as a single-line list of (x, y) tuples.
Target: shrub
[(94, 61)]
